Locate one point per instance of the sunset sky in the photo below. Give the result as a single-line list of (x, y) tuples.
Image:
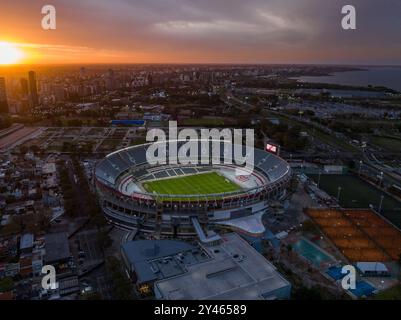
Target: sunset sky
[(203, 31)]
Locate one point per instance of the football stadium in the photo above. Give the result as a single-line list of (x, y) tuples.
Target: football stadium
[(180, 199)]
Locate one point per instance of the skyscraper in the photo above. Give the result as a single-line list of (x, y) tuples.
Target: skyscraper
[(82, 72), (24, 86), (33, 88), (110, 80), (3, 96)]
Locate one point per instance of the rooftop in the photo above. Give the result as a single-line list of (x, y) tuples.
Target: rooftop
[(251, 225), (371, 267), (236, 271), (159, 259), (57, 247), (26, 241)]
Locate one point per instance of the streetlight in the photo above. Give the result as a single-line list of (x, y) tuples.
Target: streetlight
[(360, 167), (381, 179), (338, 194), (381, 202)]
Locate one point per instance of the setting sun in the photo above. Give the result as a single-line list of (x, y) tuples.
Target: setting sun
[(9, 53)]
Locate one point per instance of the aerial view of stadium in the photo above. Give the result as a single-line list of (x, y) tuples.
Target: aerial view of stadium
[(197, 183), (136, 194), (157, 152)]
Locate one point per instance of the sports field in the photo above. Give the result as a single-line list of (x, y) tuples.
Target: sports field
[(360, 235), (387, 143), (197, 184), (356, 193)]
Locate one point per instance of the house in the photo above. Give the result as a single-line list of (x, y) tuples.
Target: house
[(26, 243)]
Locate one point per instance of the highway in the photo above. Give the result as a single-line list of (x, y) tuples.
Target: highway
[(369, 161)]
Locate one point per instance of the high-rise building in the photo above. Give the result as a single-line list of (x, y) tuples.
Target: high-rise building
[(110, 80), (82, 72), (24, 86), (59, 92), (33, 88), (3, 96)]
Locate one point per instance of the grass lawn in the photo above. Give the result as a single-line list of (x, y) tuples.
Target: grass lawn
[(109, 144), (138, 140), (197, 184), (393, 293), (356, 193), (388, 143), (322, 136), (203, 122)]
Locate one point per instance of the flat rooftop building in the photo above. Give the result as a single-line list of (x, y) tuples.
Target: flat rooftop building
[(57, 248), (151, 260), (235, 270), (26, 242), (372, 269)]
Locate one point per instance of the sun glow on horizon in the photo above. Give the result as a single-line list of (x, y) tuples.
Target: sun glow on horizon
[(10, 53)]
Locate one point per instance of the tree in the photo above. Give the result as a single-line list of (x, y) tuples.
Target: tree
[(13, 227), (35, 149), (104, 239), (309, 227), (6, 284), (122, 287), (294, 184), (399, 266), (23, 149), (92, 296), (304, 293)]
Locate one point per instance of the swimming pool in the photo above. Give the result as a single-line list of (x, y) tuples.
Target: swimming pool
[(311, 252)]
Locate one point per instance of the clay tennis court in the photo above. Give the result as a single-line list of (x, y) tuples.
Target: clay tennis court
[(361, 235)]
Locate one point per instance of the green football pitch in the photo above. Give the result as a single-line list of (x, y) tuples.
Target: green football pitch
[(197, 184), (356, 193)]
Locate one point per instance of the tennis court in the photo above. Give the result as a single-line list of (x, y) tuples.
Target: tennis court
[(360, 235), (362, 288)]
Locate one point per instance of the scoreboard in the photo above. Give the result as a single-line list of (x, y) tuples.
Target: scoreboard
[(273, 148)]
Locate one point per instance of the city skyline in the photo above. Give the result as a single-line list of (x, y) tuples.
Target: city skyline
[(163, 151), (256, 32)]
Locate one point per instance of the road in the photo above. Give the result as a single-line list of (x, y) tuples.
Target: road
[(346, 151)]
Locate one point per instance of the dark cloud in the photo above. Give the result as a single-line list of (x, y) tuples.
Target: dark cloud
[(235, 30)]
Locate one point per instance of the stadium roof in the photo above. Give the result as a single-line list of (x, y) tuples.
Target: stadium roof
[(111, 167), (251, 225)]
